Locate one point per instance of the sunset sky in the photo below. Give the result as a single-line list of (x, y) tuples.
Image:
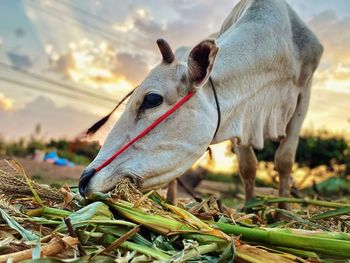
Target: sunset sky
[(65, 63)]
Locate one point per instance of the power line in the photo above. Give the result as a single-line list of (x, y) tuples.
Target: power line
[(95, 29), (61, 85), (41, 89), (57, 83), (86, 13), (58, 14), (104, 22)]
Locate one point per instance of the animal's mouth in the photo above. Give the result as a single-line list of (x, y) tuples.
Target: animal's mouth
[(134, 179), (85, 188), (137, 181)]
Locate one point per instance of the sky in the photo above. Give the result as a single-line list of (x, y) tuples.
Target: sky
[(66, 63)]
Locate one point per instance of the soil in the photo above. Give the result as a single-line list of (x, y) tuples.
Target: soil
[(49, 173)]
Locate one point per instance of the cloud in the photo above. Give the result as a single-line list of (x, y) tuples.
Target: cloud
[(97, 64), (56, 122), (329, 107), (133, 67), (329, 110), (5, 103), (20, 61), (191, 22), (31, 15), (333, 32)]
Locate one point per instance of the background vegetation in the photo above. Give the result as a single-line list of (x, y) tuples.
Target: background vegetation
[(77, 151), (314, 149)]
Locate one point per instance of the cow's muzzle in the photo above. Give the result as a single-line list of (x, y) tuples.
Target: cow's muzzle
[(84, 181)]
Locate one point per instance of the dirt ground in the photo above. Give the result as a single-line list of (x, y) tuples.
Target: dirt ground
[(49, 173)]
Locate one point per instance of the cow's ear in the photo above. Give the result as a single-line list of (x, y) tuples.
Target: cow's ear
[(200, 63)]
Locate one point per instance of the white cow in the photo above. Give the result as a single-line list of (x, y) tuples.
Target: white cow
[(261, 62)]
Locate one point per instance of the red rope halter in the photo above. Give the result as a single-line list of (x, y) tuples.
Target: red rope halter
[(145, 131)]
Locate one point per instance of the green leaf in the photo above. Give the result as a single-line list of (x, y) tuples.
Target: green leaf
[(131, 246), (26, 234), (254, 202), (332, 213), (96, 211), (162, 242), (157, 198), (119, 231), (229, 253), (36, 253)]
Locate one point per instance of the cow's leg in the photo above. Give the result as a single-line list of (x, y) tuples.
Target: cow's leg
[(285, 154), (248, 165), (172, 192)]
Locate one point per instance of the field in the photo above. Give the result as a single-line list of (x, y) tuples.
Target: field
[(54, 224)]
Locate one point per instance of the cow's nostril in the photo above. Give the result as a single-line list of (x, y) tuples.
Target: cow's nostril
[(84, 181)]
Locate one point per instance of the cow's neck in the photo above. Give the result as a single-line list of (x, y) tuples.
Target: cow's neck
[(256, 102), (252, 114)]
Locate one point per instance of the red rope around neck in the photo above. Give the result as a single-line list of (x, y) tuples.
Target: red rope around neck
[(145, 131)]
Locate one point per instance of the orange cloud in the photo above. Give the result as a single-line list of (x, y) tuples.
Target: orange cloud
[(98, 65), (5, 103), (334, 34)]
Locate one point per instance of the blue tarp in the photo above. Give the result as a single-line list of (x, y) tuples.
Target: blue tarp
[(51, 156), (54, 158)]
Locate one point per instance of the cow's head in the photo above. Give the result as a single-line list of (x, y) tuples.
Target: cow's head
[(173, 146)]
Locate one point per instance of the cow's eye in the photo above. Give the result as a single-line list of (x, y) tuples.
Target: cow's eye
[(151, 100)]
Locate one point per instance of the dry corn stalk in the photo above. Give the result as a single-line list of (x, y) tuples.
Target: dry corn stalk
[(13, 182), (54, 247)]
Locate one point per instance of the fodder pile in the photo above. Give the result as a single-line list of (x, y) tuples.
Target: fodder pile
[(43, 224)]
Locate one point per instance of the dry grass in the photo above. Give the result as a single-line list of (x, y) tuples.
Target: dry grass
[(14, 182)]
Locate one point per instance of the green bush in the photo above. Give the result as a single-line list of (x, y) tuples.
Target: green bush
[(60, 144), (16, 148), (313, 151), (76, 151), (34, 145), (74, 157)]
